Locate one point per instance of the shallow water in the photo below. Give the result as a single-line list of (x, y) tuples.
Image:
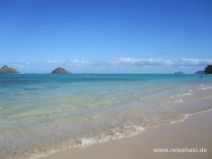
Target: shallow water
[(42, 114)]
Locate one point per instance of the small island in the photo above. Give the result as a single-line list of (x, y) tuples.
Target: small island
[(178, 73), (7, 70), (199, 72), (60, 70)]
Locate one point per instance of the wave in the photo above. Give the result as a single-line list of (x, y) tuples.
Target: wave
[(183, 94), (205, 87), (84, 142), (186, 116)]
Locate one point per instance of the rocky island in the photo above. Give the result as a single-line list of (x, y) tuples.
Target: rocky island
[(7, 70), (60, 70)]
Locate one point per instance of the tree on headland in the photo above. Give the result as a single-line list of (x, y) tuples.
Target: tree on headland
[(208, 69)]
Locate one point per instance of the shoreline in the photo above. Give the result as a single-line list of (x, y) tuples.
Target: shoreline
[(146, 140)]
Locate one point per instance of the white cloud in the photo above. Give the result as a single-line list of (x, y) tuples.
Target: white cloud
[(193, 62), (159, 62), (128, 61), (140, 61), (79, 63)]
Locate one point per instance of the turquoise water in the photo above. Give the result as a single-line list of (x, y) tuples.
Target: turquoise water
[(42, 114)]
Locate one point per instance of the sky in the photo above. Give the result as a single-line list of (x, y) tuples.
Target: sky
[(106, 36)]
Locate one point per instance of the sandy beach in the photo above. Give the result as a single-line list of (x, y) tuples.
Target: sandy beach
[(195, 132)]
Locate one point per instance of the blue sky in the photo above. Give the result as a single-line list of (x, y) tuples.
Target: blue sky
[(126, 36)]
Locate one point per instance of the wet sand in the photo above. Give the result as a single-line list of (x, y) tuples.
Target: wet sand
[(195, 132)]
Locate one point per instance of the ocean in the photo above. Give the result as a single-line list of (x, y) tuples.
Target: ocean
[(41, 114)]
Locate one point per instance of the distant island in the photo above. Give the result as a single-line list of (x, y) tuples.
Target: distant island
[(60, 70), (199, 72), (208, 69), (178, 73), (7, 70)]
